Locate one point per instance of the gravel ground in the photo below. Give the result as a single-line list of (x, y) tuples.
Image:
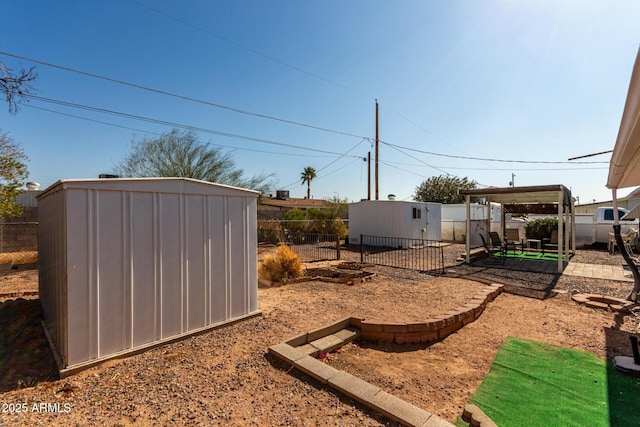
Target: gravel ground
[(226, 377), (522, 279)]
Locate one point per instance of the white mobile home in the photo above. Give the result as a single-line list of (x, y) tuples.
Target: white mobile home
[(391, 218), (458, 212), (125, 264)]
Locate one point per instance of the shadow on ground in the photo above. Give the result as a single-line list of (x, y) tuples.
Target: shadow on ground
[(623, 390), (532, 285), (25, 356)]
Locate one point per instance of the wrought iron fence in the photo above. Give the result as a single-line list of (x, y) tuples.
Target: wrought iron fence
[(415, 254), (311, 246)]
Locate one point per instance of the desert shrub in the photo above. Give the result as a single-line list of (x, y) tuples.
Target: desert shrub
[(540, 228), (293, 216), (281, 265), (325, 222), (269, 232)]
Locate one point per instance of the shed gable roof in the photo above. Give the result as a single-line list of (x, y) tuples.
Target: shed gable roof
[(154, 185)]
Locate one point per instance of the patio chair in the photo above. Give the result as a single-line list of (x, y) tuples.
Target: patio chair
[(505, 245), (493, 249), (627, 239), (512, 240), (551, 243), (495, 239)]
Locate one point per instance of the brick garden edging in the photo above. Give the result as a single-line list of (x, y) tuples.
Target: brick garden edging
[(431, 329), (604, 302), (476, 417), (301, 352)]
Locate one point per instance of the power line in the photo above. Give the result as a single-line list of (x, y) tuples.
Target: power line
[(232, 147), (332, 162), (420, 127), (182, 126), (503, 169), (481, 159), (265, 116), (183, 97), (247, 48), (88, 119), (296, 182), (395, 147), (347, 152), (279, 61)]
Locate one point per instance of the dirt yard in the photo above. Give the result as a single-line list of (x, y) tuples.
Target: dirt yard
[(226, 376)]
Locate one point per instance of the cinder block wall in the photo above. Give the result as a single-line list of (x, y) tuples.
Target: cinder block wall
[(20, 233)]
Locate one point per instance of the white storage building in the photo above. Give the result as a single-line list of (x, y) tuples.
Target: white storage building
[(126, 264), (393, 218)]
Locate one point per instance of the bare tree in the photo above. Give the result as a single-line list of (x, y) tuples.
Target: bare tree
[(16, 86)]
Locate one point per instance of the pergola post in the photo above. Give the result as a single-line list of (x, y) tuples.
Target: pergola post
[(573, 226), (467, 200), (488, 201), (560, 231), (567, 233), (503, 219)]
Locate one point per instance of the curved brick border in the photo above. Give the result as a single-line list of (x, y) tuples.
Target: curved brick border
[(301, 352), (604, 302), (475, 417), (431, 329)]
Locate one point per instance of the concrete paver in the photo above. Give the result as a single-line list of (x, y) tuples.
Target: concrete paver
[(316, 369), (399, 410), (598, 271), (353, 387)]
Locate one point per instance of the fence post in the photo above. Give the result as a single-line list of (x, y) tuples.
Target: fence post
[(361, 250), (338, 246)]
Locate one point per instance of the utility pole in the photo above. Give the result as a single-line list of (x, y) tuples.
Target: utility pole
[(377, 153), (513, 180), (369, 176)]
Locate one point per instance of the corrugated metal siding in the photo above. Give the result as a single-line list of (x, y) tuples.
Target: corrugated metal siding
[(393, 219), (52, 272), (144, 266)]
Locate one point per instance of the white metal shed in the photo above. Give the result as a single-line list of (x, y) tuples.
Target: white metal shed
[(394, 218), (129, 263)]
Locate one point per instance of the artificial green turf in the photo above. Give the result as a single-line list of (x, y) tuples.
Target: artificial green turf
[(528, 255), (536, 384)]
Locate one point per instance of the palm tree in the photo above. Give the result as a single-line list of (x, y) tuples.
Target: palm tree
[(308, 175)]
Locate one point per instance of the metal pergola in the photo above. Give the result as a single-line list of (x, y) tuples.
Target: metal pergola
[(530, 197)]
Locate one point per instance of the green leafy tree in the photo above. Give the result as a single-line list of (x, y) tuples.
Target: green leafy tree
[(16, 86), (181, 154), (13, 173), (308, 175), (324, 221), (443, 189), (294, 221)]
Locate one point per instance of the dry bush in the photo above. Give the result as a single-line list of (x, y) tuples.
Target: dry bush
[(281, 265)]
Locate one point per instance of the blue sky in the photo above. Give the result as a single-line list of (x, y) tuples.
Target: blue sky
[(531, 81)]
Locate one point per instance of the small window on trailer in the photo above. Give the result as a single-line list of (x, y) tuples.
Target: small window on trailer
[(417, 213)]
